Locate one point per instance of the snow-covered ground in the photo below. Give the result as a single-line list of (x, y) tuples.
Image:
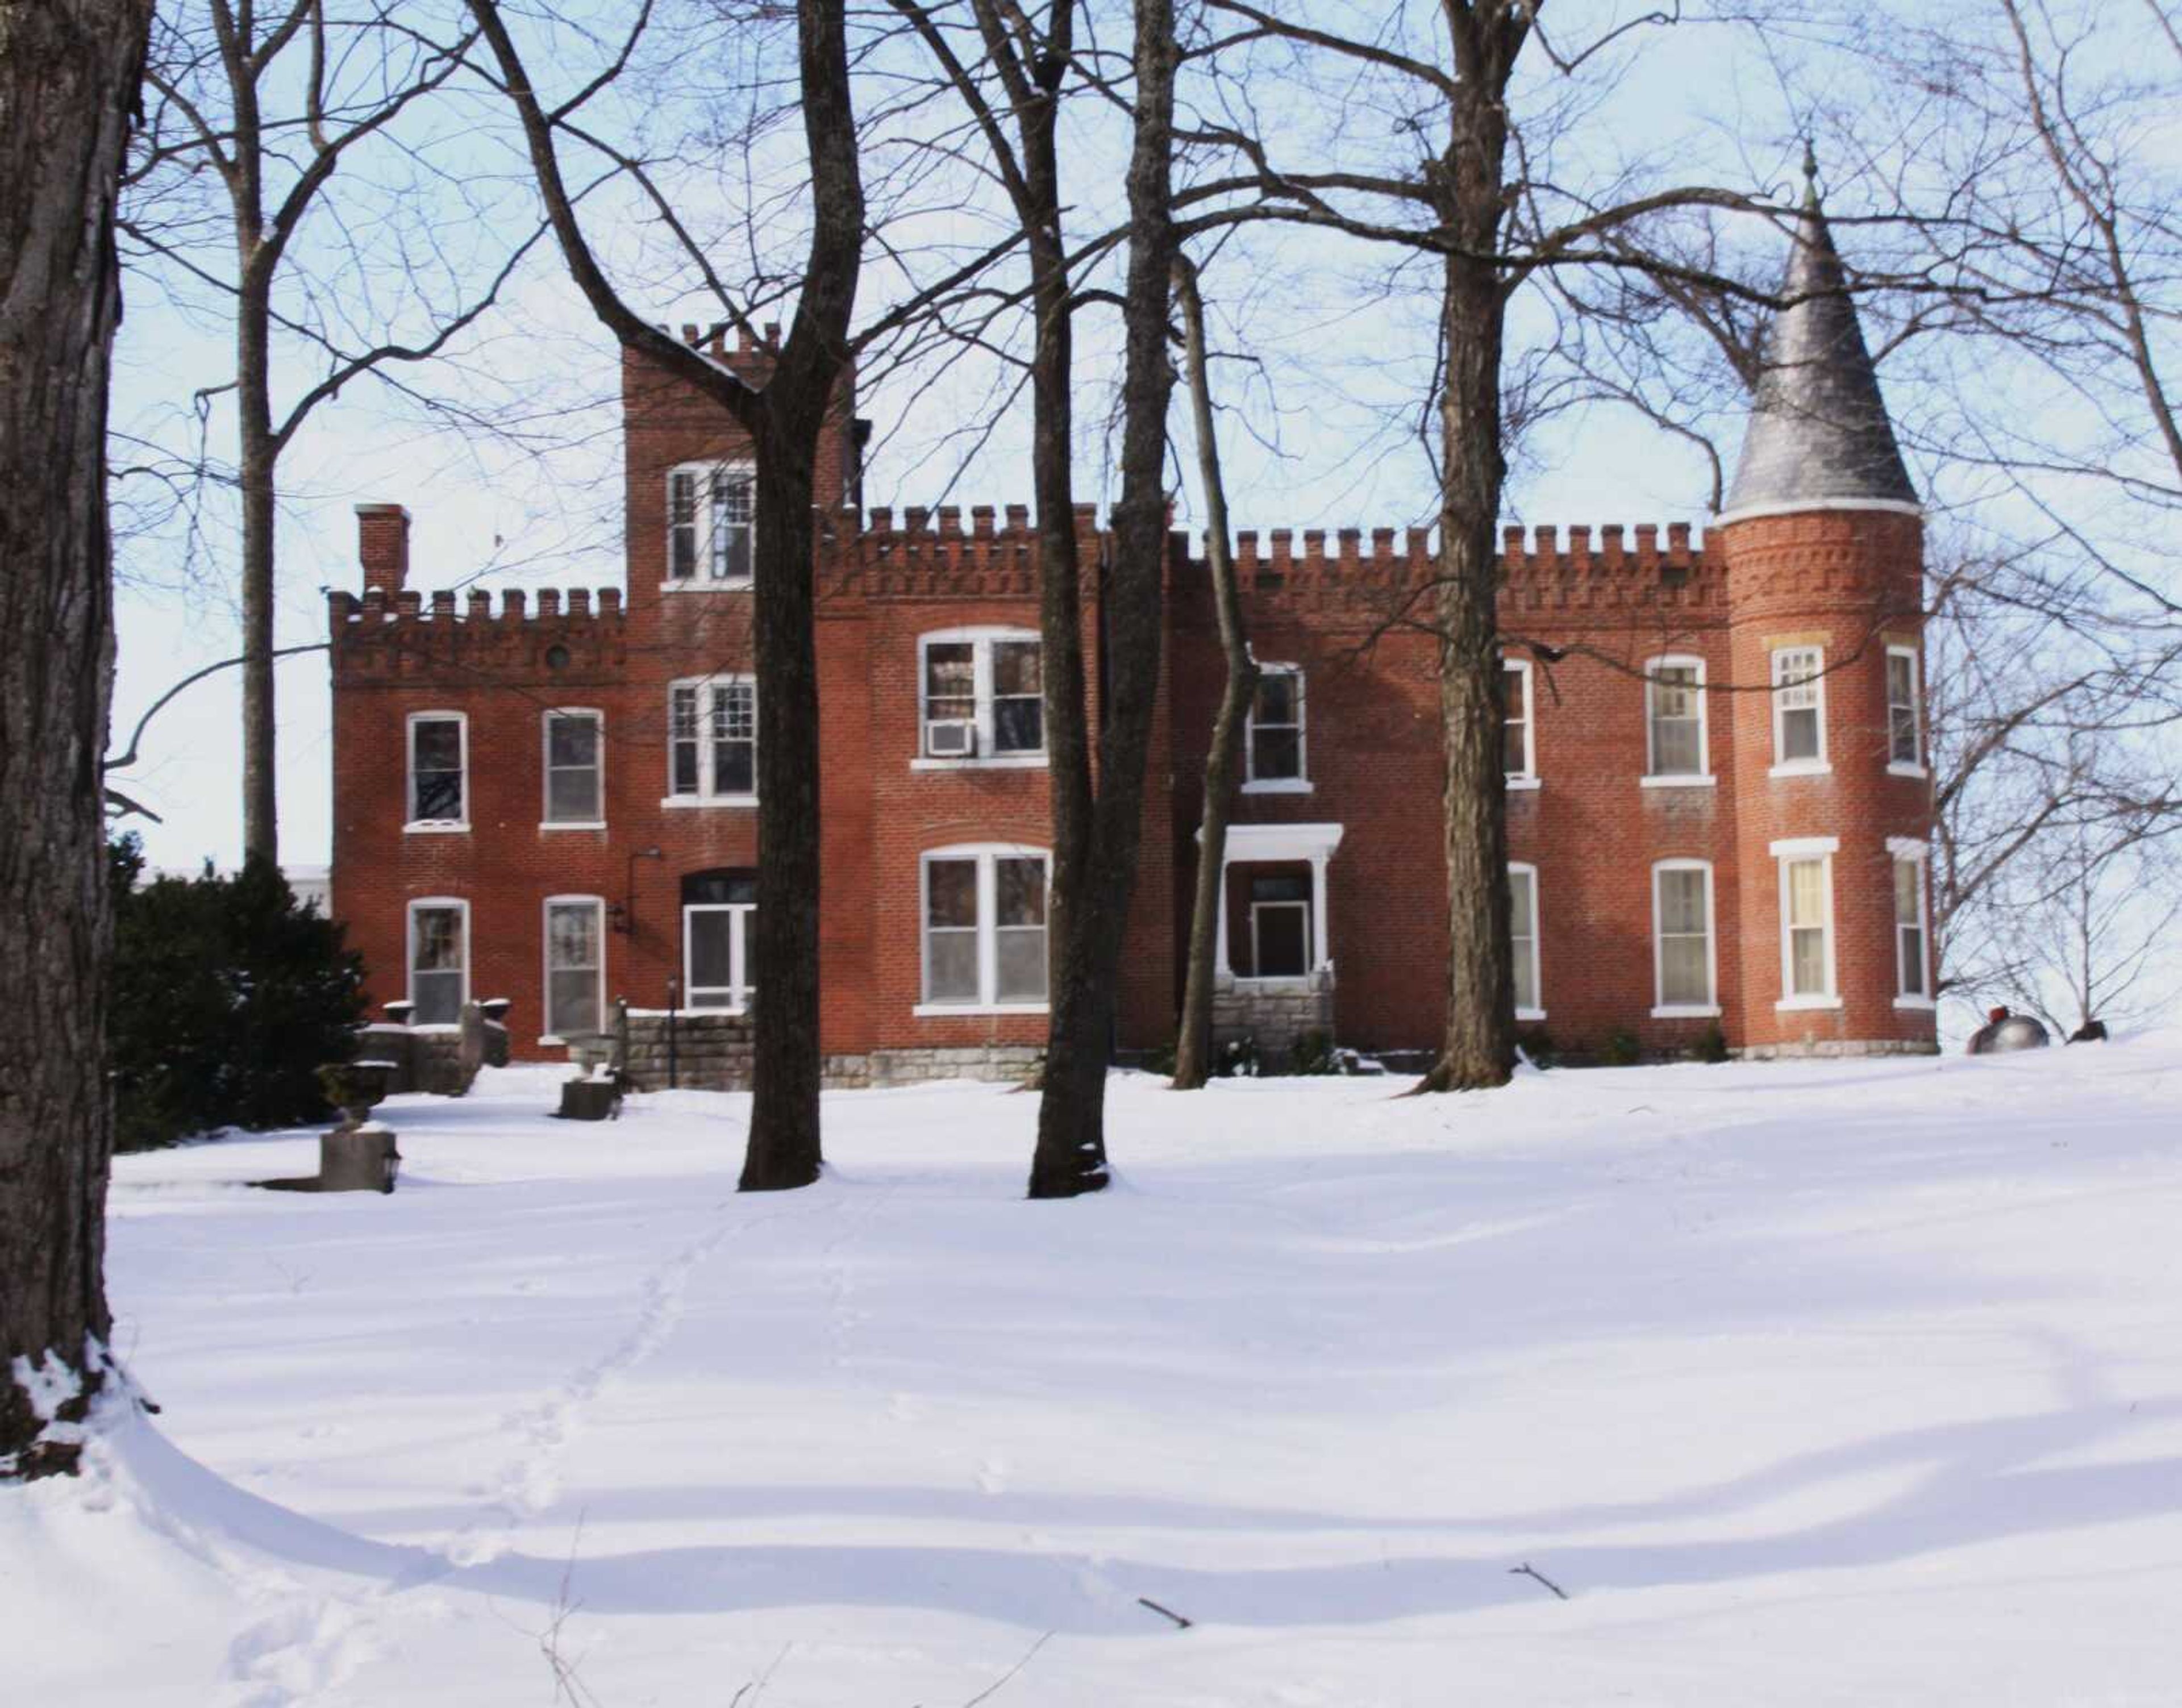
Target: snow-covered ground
[(1848, 1383)]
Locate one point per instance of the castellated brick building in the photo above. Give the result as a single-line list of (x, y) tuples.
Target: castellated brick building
[(1718, 800)]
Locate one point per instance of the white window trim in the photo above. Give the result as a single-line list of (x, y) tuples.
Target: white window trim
[(409, 945), (1662, 1010), (1895, 767), (980, 640), (1703, 776), (985, 854), (700, 582), (739, 985), (1821, 765), (433, 825), (545, 960), (704, 798), (1786, 853), (545, 819), (1902, 850), (1537, 952), (1300, 783), (1528, 776)]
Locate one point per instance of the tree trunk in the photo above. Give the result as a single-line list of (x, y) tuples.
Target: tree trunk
[(69, 74), (1090, 914), (783, 1149), (1478, 1047), (794, 409), (1193, 1049), (256, 470)]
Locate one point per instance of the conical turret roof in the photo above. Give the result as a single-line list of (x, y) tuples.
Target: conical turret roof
[(1819, 435)]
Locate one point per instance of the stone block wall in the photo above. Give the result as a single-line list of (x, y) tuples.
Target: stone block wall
[(1275, 1015), (428, 1059), (711, 1052)]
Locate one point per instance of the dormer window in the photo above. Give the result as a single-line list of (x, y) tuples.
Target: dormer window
[(712, 510)]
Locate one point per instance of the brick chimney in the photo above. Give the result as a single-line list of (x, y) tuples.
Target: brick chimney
[(382, 545)]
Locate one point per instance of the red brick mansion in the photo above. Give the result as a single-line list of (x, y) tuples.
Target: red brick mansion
[(1718, 799)]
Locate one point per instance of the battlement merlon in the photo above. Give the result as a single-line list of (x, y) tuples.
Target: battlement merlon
[(532, 634)]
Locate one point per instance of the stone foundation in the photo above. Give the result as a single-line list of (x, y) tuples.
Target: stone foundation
[(1276, 1014), (1000, 1064), (716, 1052), (1818, 1048)]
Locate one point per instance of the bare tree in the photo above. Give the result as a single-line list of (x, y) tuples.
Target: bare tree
[(280, 110), (2096, 913), (1096, 832), (69, 71), (1475, 206), (784, 418), (1013, 87), (2044, 745), (1193, 1064)]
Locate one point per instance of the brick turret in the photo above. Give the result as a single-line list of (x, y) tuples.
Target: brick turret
[(1822, 539)]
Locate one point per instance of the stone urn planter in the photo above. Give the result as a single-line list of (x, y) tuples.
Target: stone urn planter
[(356, 1088)]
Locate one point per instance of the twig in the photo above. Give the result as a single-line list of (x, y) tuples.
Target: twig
[(1527, 1570), (1147, 1601), (755, 1688), (566, 1683), (992, 1687)]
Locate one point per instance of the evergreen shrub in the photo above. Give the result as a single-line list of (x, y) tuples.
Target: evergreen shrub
[(227, 996)]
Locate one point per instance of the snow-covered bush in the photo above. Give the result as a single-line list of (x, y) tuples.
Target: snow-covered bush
[(227, 996)]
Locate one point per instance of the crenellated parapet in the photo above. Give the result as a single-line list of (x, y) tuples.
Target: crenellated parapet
[(1618, 574), (383, 637), (929, 554)]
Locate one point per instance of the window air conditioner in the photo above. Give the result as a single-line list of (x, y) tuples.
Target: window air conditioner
[(950, 739)]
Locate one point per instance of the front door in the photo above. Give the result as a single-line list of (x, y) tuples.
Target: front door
[(1280, 939)]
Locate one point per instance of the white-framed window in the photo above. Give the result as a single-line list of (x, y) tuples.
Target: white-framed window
[(719, 914), (712, 511), (983, 909), (439, 763), (712, 746), (1519, 749), (1523, 934), (1807, 922), (1684, 957), (1913, 928), (1799, 710), (981, 697), (1273, 751), (1676, 746), (439, 959), (575, 769), (575, 966), (1905, 712)]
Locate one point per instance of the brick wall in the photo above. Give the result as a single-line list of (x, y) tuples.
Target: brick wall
[(1589, 613)]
